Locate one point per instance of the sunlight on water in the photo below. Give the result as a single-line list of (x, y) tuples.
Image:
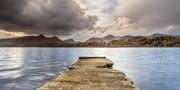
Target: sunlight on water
[(11, 62), (29, 68)]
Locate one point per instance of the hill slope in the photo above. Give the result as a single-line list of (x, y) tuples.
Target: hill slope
[(31, 41)]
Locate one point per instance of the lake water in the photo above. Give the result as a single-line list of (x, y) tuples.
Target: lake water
[(29, 68)]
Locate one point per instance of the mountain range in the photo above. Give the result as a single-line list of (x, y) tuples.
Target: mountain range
[(107, 38), (110, 37), (106, 41)]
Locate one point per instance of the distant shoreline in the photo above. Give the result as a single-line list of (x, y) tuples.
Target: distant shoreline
[(140, 41), (89, 47)]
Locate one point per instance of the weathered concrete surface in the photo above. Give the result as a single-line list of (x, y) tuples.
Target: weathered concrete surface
[(91, 73)]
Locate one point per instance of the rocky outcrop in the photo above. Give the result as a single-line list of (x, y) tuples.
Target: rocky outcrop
[(91, 73)]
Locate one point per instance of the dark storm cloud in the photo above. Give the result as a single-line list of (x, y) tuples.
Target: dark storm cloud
[(43, 16), (10, 11)]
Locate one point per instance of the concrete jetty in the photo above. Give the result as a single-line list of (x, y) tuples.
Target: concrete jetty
[(91, 73)]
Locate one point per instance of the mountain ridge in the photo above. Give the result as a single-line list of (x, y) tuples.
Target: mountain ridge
[(110, 37), (31, 41), (154, 40)]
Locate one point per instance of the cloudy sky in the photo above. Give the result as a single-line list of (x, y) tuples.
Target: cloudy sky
[(81, 19)]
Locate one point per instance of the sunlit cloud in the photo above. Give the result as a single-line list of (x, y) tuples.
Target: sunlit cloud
[(138, 17), (5, 34)]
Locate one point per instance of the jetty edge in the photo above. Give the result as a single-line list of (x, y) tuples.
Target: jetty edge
[(91, 73)]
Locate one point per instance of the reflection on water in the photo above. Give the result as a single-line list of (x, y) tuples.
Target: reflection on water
[(29, 68)]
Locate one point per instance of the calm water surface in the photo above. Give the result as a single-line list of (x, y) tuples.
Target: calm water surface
[(29, 68)]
